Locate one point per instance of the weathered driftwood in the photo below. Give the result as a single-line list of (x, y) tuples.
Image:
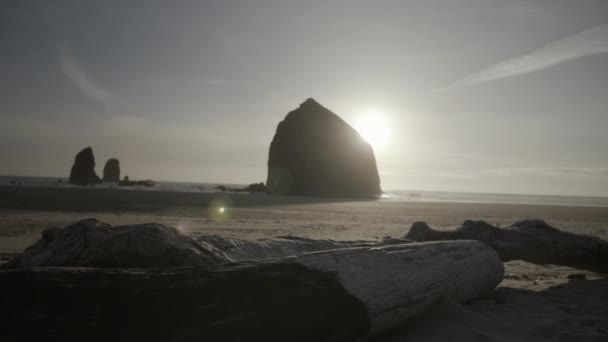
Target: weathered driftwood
[(279, 247), (397, 282), (335, 295), (92, 243), (529, 240)]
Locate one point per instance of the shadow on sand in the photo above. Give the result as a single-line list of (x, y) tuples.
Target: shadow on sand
[(576, 311)]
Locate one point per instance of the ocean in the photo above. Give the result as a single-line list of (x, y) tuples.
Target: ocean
[(390, 195)]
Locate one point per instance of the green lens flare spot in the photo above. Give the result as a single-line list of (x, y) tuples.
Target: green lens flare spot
[(219, 208)]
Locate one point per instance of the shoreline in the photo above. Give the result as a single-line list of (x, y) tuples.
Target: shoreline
[(400, 195), (39, 194)]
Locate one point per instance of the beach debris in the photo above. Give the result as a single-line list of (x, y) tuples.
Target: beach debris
[(83, 170), (531, 240), (275, 248), (92, 243), (255, 302), (111, 171), (333, 295), (316, 153)]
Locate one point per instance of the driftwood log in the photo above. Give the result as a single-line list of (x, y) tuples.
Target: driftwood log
[(92, 243), (335, 295), (275, 248), (529, 240), (397, 282)]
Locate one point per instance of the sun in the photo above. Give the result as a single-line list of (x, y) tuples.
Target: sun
[(373, 127)]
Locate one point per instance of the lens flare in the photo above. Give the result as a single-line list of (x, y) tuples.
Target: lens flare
[(219, 208)]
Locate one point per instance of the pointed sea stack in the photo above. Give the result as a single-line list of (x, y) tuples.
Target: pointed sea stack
[(111, 171), (83, 170), (316, 153)]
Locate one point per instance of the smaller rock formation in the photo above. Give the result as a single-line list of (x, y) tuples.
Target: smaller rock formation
[(83, 170), (251, 188), (127, 182), (91, 243), (111, 171), (256, 187)]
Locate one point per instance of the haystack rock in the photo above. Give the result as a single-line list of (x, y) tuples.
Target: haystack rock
[(83, 170), (111, 171), (316, 153)]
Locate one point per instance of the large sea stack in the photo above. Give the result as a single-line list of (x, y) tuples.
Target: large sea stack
[(316, 153), (111, 171), (83, 170)]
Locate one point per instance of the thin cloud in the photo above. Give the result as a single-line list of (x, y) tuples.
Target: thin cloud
[(76, 73), (221, 82), (590, 42), (591, 171), (550, 171)]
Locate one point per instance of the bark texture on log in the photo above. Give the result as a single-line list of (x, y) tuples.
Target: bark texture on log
[(275, 248), (400, 281), (335, 295), (92, 243), (530, 240), (456, 270)]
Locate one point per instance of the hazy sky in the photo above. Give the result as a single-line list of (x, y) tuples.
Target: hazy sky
[(479, 95)]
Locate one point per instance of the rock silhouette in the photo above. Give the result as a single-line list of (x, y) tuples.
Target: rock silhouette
[(316, 153), (255, 187), (127, 182), (111, 171), (83, 170)]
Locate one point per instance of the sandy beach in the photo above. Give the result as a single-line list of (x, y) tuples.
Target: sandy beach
[(530, 301), (26, 211)]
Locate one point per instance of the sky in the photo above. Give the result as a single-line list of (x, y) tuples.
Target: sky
[(477, 95)]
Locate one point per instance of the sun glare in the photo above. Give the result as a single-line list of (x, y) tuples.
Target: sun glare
[(372, 127)]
